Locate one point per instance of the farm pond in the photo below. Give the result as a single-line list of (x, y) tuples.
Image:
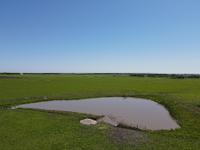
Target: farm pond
[(138, 113)]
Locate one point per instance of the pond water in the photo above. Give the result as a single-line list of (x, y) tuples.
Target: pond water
[(133, 112)]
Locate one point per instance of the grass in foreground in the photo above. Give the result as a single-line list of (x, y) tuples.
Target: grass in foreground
[(27, 129)]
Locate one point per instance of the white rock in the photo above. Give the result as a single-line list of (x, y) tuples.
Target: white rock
[(88, 122)]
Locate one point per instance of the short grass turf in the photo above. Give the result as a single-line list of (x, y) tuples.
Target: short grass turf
[(28, 129)]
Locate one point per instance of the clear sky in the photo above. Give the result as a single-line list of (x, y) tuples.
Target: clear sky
[(151, 36)]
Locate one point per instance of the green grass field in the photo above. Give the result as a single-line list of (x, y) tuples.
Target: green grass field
[(27, 129)]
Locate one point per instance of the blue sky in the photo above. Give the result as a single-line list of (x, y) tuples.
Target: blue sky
[(151, 36)]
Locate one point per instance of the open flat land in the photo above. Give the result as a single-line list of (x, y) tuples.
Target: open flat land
[(22, 129)]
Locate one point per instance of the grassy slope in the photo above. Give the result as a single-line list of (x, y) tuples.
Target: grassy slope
[(26, 129)]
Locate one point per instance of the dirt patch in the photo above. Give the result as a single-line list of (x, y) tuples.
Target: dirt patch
[(193, 108), (127, 136)]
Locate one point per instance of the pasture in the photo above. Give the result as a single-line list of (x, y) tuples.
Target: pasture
[(29, 129)]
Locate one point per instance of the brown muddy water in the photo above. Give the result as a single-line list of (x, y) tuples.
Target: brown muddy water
[(131, 112)]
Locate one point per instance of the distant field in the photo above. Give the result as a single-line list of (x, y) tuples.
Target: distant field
[(27, 129)]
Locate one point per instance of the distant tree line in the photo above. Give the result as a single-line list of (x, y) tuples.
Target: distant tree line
[(174, 76)]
